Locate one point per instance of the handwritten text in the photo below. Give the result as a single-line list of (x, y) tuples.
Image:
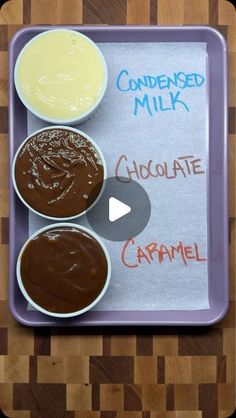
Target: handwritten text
[(183, 166), (152, 104), (133, 255)]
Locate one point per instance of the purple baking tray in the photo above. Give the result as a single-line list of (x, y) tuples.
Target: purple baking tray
[(217, 179)]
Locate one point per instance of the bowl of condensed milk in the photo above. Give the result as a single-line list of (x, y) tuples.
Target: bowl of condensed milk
[(61, 76)]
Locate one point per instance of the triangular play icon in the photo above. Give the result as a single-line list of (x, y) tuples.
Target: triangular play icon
[(117, 209)]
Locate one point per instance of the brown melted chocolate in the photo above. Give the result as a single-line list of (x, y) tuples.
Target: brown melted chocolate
[(63, 270), (57, 170)]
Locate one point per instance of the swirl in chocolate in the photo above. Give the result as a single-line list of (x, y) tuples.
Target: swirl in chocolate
[(63, 270), (57, 170)]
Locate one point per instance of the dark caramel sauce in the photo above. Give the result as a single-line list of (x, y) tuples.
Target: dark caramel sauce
[(63, 270), (57, 170)]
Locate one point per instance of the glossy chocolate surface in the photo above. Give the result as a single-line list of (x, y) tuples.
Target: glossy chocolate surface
[(63, 270), (57, 170)]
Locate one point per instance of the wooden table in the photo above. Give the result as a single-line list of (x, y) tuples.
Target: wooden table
[(133, 373)]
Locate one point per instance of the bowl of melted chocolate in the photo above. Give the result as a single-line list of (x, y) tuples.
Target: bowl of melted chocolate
[(63, 270), (57, 171)]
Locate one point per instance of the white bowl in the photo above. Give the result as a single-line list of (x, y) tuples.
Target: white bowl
[(66, 218), (81, 117), (70, 314)]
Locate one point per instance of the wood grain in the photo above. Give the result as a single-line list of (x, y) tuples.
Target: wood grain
[(56, 12), (138, 12), (157, 373)]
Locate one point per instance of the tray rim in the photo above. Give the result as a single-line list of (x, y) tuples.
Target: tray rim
[(96, 318)]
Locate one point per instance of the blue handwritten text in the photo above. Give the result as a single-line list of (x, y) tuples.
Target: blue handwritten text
[(158, 103)]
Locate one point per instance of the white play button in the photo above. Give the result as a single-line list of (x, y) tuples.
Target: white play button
[(122, 211), (117, 209)]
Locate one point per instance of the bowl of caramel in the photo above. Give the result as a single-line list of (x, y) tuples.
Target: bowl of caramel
[(63, 270), (58, 172)]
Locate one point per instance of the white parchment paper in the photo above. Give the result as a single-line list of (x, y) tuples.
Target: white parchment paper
[(179, 210)]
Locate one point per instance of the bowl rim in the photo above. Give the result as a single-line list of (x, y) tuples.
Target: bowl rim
[(96, 146), (54, 226), (83, 115)]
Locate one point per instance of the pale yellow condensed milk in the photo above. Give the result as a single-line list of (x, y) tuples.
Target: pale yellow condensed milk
[(61, 76)]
